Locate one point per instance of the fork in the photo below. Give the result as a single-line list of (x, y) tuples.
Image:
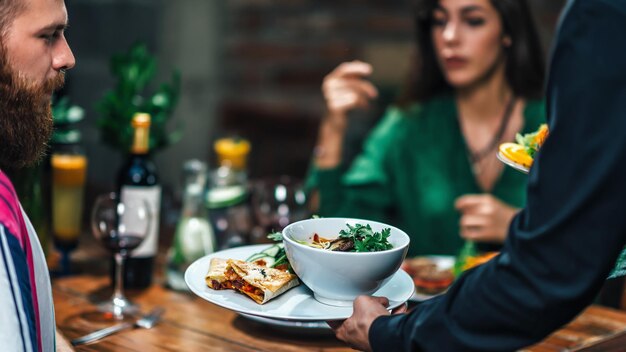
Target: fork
[(147, 321)]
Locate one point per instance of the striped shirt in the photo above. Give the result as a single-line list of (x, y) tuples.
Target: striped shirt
[(27, 312)]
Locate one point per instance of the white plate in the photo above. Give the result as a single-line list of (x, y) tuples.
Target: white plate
[(302, 327), (511, 163), (296, 304), (443, 262)]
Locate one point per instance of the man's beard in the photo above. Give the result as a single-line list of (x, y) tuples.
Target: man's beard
[(25, 117)]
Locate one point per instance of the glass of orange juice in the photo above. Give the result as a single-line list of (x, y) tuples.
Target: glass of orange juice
[(69, 170)]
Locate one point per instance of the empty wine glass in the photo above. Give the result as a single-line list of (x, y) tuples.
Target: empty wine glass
[(120, 227), (276, 202)]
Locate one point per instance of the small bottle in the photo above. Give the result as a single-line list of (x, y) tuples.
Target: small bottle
[(138, 178), (194, 235), (228, 193)]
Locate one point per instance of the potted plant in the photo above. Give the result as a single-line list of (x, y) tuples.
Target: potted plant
[(134, 70)]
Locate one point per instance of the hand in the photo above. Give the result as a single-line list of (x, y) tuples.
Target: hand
[(354, 330), (345, 89), (62, 344), (484, 218)]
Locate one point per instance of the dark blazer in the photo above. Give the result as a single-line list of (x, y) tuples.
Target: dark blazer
[(562, 246)]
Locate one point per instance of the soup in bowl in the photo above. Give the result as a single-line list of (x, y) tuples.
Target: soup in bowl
[(338, 277)]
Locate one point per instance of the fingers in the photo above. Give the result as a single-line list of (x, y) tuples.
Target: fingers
[(473, 227), (361, 300), (472, 233), (335, 324), (469, 201), (345, 99), (401, 309), (353, 68), (473, 221), (345, 87), (357, 85)]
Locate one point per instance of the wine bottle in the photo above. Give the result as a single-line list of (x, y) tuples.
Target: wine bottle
[(138, 179)]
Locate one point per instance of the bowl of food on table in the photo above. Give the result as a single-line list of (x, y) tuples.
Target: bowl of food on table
[(432, 275), (342, 258)]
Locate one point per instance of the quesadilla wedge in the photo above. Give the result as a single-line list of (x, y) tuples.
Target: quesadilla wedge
[(215, 277), (258, 282)]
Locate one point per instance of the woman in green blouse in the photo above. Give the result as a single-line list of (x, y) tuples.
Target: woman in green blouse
[(429, 167)]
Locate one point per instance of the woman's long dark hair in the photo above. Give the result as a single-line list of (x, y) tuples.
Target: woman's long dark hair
[(525, 68)]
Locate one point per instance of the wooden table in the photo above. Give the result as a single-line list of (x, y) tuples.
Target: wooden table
[(192, 324)]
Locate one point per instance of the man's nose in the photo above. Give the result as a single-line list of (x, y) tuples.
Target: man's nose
[(63, 57)]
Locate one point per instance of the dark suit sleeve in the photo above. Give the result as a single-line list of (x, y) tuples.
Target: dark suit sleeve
[(562, 246)]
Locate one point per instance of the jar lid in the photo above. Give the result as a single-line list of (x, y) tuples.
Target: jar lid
[(232, 152)]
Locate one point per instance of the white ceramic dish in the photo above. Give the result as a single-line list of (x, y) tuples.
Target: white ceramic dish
[(336, 278), (443, 262), (296, 304), (511, 163), (296, 327)]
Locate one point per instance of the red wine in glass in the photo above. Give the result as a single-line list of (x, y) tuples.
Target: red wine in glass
[(121, 227), (118, 243)]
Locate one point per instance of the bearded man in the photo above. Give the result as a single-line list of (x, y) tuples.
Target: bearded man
[(33, 58)]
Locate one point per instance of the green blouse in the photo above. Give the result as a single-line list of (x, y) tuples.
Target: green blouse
[(413, 166)]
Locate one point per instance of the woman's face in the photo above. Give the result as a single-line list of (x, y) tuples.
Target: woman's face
[(469, 41)]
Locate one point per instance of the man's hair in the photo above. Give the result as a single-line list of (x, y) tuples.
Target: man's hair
[(8, 11)]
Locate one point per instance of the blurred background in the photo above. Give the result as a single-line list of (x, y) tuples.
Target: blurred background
[(209, 69), (251, 68)]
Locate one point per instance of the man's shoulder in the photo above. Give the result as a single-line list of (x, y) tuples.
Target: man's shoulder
[(10, 211)]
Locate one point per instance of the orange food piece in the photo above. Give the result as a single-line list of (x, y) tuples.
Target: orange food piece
[(471, 262), (516, 153), (541, 136)]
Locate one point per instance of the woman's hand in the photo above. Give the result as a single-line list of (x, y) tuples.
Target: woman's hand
[(346, 89), (484, 218)]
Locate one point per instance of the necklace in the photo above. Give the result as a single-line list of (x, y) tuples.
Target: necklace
[(476, 157)]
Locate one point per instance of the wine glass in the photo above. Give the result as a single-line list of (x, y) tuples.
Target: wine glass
[(120, 227), (276, 202)]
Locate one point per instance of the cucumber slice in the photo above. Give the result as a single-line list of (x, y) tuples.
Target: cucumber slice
[(269, 261), (272, 251), (256, 256)]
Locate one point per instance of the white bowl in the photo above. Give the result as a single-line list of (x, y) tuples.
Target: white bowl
[(337, 278)]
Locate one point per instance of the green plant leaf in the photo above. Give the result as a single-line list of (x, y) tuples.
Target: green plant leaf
[(134, 70)]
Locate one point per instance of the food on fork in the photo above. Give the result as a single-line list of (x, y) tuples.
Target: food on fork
[(256, 281), (523, 152)]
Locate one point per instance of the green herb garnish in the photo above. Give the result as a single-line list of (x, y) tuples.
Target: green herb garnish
[(275, 236), (365, 239)]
